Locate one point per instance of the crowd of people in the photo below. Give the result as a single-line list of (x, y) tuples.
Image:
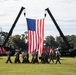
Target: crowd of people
[(44, 58)]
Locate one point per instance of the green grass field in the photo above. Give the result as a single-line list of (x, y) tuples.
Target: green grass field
[(68, 67)]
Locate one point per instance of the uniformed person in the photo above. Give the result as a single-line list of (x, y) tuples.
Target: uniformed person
[(8, 57), (51, 55), (58, 56), (25, 57), (36, 60), (34, 57), (44, 57), (17, 56)]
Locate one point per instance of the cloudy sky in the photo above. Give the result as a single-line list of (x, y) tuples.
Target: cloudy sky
[(64, 11)]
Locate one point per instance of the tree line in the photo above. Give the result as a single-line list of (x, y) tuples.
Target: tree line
[(21, 41)]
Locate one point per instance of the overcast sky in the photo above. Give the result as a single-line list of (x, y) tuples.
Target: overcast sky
[(64, 11)]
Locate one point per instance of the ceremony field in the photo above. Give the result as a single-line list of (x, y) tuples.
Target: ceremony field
[(68, 67)]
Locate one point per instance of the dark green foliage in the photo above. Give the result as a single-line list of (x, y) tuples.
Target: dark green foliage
[(50, 41)]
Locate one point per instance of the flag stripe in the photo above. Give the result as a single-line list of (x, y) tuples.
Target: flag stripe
[(36, 38)]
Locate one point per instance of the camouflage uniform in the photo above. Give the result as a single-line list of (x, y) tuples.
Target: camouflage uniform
[(51, 55), (8, 57), (25, 57), (58, 57), (17, 59), (34, 57)]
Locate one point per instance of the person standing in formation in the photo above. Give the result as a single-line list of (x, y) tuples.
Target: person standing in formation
[(58, 56), (17, 56), (8, 57), (51, 55), (25, 57)]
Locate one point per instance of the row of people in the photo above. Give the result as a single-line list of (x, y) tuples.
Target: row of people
[(51, 55), (25, 56)]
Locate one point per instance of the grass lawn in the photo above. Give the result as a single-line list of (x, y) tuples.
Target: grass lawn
[(68, 67)]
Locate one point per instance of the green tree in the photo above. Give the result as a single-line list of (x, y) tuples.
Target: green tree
[(50, 41), (24, 37), (71, 40), (18, 42), (61, 42)]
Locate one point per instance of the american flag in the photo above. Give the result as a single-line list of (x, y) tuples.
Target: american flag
[(35, 35)]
